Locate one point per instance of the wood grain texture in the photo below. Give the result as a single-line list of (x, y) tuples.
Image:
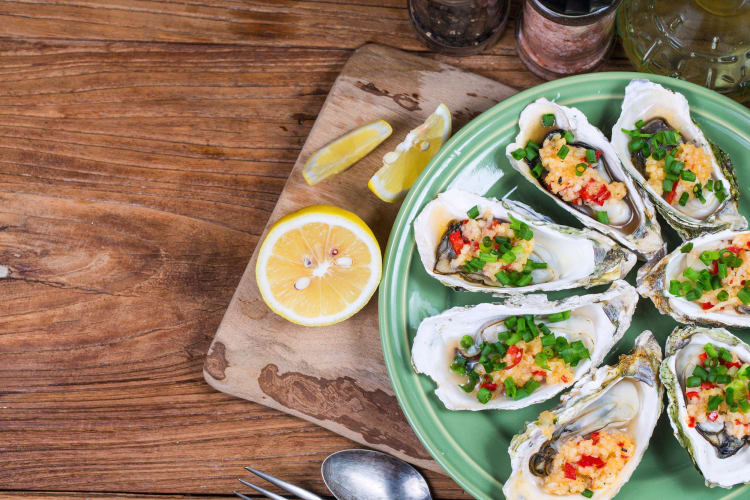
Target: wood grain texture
[(143, 146), (261, 357)]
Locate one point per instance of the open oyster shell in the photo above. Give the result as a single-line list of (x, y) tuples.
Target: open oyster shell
[(722, 459), (654, 278), (632, 220), (599, 320), (575, 257), (624, 398), (663, 109)]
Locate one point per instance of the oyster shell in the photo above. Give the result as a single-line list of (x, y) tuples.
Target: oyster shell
[(574, 257), (655, 277), (632, 220), (598, 320), (663, 109), (625, 399), (722, 458)]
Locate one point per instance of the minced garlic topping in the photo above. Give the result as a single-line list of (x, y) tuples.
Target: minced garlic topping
[(695, 159), (527, 368), (736, 423), (735, 280), (474, 230), (562, 179), (592, 463)]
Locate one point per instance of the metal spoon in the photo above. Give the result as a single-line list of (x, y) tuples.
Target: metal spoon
[(372, 475)]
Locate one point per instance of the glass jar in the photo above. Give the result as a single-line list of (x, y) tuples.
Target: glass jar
[(703, 41), (459, 27), (556, 38)]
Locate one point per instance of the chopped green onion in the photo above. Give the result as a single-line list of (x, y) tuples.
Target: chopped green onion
[(525, 280), (590, 155), (581, 168), (467, 341), (548, 119), (587, 493), (674, 288), (519, 154), (473, 212), (558, 316), (537, 171), (686, 247), (710, 184), (693, 381), (548, 340), (508, 257), (511, 322), (503, 277), (563, 152), (484, 395), (718, 186), (514, 338), (635, 145), (683, 199), (725, 355), (713, 403), (510, 387), (700, 372), (602, 216), (708, 256), (710, 350), (721, 195), (691, 274), (723, 379), (568, 136), (693, 294), (667, 185), (688, 175), (722, 296), (541, 361), (744, 296), (639, 124)]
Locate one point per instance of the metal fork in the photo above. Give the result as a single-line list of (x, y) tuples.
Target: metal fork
[(294, 490)]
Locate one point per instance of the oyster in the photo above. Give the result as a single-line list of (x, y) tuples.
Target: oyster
[(526, 350), (570, 160), (504, 247), (614, 409), (691, 180), (705, 281), (711, 420)]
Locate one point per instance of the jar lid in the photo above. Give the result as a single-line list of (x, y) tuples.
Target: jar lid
[(574, 12)]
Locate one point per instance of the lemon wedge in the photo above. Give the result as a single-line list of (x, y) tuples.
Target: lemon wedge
[(345, 151), (318, 266), (402, 166)]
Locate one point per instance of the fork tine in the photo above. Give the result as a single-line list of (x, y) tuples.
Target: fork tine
[(262, 491), (294, 490), (243, 497)]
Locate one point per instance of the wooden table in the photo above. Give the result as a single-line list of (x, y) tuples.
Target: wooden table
[(143, 145)]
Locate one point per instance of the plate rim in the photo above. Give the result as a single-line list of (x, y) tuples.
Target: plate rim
[(395, 250)]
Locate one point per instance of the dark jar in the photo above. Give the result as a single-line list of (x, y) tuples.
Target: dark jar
[(459, 27), (555, 40)]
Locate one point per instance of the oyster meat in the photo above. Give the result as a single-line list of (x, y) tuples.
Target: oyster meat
[(610, 414), (521, 352), (706, 373), (706, 281), (691, 180), (570, 160), (504, 247)]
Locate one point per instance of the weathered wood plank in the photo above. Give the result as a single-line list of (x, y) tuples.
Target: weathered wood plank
[(126, 219)]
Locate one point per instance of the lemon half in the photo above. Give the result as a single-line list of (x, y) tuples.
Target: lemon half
[(345, 151), (402, 166), (318, 266)]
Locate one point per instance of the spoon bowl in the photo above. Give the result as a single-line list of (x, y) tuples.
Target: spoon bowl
[(372, 475)]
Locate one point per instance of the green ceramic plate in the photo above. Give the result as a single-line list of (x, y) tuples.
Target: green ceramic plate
[(472, 446)]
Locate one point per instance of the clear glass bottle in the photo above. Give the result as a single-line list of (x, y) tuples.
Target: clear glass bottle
[(703, 41), (459, 27)]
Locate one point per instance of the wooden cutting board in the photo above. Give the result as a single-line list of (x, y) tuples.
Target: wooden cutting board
[(335, 376)]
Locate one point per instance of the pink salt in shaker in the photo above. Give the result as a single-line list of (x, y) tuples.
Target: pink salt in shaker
[(557, 38)]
